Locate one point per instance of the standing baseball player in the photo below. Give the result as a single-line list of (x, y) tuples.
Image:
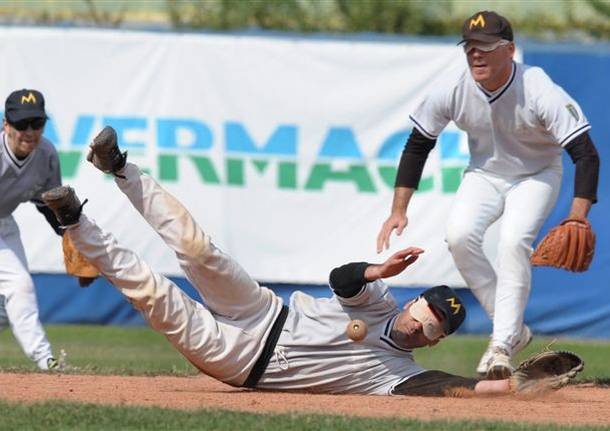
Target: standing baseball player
[(29, 166), (357, 341), (517, 121)]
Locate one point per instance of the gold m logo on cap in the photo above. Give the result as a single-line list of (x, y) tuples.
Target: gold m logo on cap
[(478, 21), (30, 98), (454, 306)]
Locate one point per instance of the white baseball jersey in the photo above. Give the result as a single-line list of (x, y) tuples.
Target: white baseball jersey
[(226, 338), (315, 354), (25, 180), (518, 130)]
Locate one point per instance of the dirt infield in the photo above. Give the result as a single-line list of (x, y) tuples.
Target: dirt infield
[(575, 405)]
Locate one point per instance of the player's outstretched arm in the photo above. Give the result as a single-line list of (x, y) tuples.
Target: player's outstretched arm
[(394, 265)]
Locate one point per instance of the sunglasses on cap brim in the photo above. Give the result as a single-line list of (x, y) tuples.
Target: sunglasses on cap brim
[(34, 123), (484, 46)]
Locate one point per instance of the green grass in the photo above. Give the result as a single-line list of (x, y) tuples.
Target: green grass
[(72, 416), (102, 350), (139, 351)]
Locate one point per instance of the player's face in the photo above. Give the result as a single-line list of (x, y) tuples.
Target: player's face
[(490, 68), (23, 138), (409, 332)]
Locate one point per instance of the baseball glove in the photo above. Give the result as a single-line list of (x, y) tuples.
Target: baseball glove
[(77, 265), (545, 371), (569, 246)]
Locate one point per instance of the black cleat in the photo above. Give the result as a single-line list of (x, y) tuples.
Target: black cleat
[(105, 154), (64, 203)]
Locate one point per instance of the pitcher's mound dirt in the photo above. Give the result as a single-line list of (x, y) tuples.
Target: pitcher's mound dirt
[(574, 405)]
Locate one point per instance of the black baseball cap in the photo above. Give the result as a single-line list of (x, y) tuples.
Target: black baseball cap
[(445, 301), (22, 104), (486, 26)]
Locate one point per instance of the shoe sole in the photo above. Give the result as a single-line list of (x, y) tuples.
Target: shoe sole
[(498, 373), (105, 140), (56, 194)]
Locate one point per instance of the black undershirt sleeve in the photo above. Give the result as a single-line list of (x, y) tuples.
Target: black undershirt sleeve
[(583, 153), (50, 216), (413, 159), (434, 383), (348, 280)]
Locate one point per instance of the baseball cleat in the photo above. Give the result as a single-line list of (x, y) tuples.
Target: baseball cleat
[(52, 364), (522, 343), (105, 154), (64, 203), (484, 362), (499, 365)]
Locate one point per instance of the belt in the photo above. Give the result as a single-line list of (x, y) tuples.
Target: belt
[(263, 360)]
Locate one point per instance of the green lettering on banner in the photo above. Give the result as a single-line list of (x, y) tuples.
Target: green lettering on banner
[(168, 167), (206, 170), (260, 165), (388, 175), (323, 172), (235, 172), (452, 176), (287, 175), (68, 162), (425, 184)]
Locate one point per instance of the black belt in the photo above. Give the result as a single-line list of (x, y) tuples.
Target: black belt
[(263, 360)]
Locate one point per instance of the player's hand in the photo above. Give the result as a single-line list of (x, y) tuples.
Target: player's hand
[(395, 221), (394, 265)]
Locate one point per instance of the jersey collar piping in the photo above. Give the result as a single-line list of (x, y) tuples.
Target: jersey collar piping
[(385, 337), (12, 156), (492, 97)]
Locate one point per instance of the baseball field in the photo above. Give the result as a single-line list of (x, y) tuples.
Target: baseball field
[(131, 378)]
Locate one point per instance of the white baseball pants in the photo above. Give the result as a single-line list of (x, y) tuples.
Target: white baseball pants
[(524, 204), (223, 339), (17, 288)]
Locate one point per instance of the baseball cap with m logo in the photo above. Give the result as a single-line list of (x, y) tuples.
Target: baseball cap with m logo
[(24, 104), (486, 26)]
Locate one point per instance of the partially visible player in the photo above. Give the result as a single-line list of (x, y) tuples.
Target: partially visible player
[(518, 122), (244, 335), (29, 166)]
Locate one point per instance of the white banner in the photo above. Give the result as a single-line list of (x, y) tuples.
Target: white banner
[(283, 148)]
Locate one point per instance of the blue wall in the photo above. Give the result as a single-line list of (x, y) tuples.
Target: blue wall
[(561, 303)]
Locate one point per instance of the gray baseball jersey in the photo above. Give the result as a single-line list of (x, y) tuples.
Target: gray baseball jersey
[(25, 180), (22, 181), (515, 131), (314, 352)]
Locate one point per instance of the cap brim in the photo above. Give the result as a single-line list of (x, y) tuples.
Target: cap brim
[(481, 37), (22, 114)]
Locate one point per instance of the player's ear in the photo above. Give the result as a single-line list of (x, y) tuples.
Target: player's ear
[(511, 49)]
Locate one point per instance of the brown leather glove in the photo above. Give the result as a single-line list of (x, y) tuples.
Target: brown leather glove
[(545, 371), (77, 264), (569, 246)]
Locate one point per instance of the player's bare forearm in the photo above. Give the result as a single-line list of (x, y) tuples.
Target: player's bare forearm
[(580, 208), (397, 219), (402, 197), (490, 387)]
